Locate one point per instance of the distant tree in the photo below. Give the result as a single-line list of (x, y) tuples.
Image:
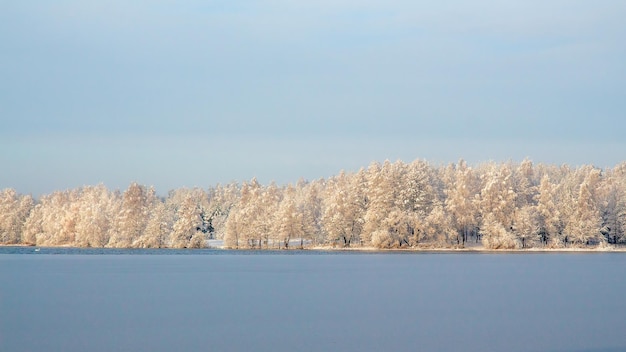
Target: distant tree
[(439, 230), (237, 222), (97, 213), (585, 224), (221, 200), (265, 220), (33, 225), (612, 204), (245, 227), (186, 231), (386, 205), (525, 226), (497, 207), (14, 210), (496, 235), (158, 227), (310, 205), (547, 215), (461, 202), (289, 218), (137, 202), (53, 222), (343, 210), (380, 192), (525, 184), (415, 200)]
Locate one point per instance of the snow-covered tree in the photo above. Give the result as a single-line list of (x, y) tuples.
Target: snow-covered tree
[(612, 204), (344, 207), (385, 205), (461, 202), (14, 210), (549, 224), (380, 193), (158, 227), (250, 220), (97, 213), (131, 220), (439, 231), (289, 218), (525, 226), (585, 224), (310, 206), (496, 235), (497, 207), (221, 200), (524, 184), (53, 223), (186, 231)]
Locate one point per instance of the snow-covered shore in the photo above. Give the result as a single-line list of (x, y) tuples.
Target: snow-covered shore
[(472, 248)]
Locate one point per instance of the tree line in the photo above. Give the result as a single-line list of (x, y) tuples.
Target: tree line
[(386, 205)]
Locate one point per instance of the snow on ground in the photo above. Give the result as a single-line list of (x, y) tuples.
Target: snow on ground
[(293, 244), (216, 244)]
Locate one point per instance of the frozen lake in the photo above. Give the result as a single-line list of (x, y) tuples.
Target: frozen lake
[(311, 301)]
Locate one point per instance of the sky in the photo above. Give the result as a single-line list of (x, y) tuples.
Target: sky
[(177, 94)]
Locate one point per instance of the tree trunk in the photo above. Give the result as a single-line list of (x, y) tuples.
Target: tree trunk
[(346, 242)]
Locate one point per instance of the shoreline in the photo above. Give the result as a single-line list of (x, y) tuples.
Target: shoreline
[(471, 249)]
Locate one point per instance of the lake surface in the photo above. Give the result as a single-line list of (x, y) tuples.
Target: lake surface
[(208, 300)]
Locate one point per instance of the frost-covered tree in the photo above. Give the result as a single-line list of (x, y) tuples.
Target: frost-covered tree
[(158, 227), (585, 224), (289, 218), (612, 204), (439, 231), (497, 207), (344, 208), (380, 192), (398, 198), (496, 235), (415, 200), (264, 226), (221, 200), (461, 202), (137, 202), (250, 220), (567, 192), (310, 205), (186, 231), (525, 226), (97, 214), (547, 215), (53, 223), (238, 222), (385, 205), (14, 210), (525, 184), (32, 225)]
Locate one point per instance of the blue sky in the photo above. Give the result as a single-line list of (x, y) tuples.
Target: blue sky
[(195, 93)]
